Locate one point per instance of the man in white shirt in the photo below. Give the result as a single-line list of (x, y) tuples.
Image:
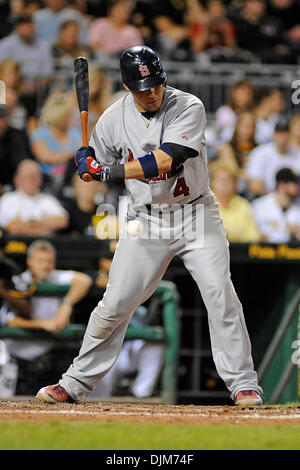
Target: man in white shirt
[(270, 105), (266, 159), (27, 211), (278, 214), (48, 313)]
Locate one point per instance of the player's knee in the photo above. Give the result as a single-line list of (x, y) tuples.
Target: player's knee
[(103, 322), (100, 327), (117, 307)]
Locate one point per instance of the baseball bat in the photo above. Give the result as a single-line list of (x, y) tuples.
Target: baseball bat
[(81, 72)]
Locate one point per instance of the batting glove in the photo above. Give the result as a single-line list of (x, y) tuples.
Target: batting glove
[(86, 162)]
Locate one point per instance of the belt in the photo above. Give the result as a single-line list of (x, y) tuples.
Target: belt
[(148, 206)]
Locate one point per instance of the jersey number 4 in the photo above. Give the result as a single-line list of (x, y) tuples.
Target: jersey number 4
[(181, 188)]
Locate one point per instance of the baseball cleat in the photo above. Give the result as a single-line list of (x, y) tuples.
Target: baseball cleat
[(54, 394), (248, 398)]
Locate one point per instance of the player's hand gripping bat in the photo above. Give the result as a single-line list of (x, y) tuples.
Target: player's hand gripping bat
[(81, 71)]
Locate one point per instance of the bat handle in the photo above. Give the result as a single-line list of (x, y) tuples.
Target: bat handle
[(86, 177), (84, 120)]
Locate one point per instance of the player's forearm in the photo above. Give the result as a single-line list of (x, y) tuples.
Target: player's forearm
[(134, 169)]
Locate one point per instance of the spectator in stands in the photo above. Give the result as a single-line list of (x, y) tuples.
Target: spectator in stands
[(171, 28), (288, 13), (49, 19), (235, 210), (102, 275), (266, 159), (286, 10), (14, 89), (214, 31), (18, 116), (82, 205), (10, 75), (8, 268), (268, 108), (261, 33), (241, 99), (278, 214), (64, 51), (55, 141), (28, 211), (138, 358), (11, 9), (142, 19), (34, 59), (234, 153), (8, 298), (295, 132), (14, 147), (44, 313), (114, 33)]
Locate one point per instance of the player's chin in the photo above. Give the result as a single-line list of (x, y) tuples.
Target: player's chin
[(153, 106)]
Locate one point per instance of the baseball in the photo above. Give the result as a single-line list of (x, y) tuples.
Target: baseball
[(135, 228)]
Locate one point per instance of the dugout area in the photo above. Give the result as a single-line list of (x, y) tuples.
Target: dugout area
[(266, 278)]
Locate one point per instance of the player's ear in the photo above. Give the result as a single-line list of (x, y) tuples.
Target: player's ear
[(126, 87)]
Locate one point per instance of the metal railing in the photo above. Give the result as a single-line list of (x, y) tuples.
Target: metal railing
[(168, 333)]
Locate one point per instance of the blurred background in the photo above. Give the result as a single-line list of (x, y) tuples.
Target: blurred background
[(242, 59)]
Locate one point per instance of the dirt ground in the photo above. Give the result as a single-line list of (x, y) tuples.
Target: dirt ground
[(32, 410)]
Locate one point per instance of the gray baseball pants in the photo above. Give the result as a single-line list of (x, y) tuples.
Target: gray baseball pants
[(136, 270)]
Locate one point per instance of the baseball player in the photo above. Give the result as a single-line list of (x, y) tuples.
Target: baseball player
[(153, 138)]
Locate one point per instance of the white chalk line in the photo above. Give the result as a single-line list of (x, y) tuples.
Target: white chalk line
[(235, 416)]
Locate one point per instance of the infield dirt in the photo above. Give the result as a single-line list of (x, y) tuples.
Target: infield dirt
[(31, 409)]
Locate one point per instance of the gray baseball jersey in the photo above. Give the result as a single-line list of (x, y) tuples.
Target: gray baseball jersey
[(122, 134)]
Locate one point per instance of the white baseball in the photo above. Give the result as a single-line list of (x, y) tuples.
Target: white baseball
[(135, 228)]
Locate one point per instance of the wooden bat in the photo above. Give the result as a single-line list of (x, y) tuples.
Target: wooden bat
[(81, 71)]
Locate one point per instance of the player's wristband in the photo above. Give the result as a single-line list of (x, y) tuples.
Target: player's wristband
[(149, 165), (117, 172)]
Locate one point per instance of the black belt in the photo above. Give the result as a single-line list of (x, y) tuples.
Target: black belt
[(148, 206)]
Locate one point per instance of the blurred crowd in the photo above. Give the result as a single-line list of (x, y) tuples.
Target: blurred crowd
[(250, 138)]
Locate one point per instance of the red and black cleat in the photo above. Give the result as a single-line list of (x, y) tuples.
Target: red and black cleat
[(248, 398), (54, 394)]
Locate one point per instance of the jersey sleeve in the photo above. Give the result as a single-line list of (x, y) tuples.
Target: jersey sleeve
[(187, 127)]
